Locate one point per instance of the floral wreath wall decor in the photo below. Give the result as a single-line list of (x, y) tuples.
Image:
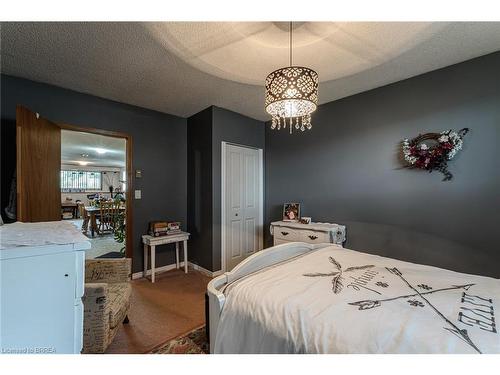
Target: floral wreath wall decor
[(431, 151)]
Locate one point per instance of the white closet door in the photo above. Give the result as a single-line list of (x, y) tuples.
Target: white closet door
[(242, 204)]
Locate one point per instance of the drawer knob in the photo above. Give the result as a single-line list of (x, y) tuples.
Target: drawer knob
[(284, 233), (313, 237)]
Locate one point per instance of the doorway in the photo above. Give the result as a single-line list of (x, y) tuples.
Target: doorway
[(39, 174), (242, 203), (106, 153), (94, 188)]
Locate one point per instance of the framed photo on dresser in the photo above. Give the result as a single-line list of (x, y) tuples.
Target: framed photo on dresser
[(291, 212)]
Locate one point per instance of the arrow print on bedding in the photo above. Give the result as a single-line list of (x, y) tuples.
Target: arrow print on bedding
[(370, 304), (460, 333), (338, 276), (477, 311)]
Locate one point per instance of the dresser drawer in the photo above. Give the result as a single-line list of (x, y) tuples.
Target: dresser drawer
[(312, 236), (287, 234), (313, 233)]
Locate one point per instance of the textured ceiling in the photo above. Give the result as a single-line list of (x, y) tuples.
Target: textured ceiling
[(74, 144), (184, 67), (248, 52)]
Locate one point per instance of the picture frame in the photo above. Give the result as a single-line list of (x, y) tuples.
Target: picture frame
[(291, 212), (305, 220)]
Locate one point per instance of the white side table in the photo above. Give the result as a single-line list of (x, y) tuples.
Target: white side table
[(152, 242)]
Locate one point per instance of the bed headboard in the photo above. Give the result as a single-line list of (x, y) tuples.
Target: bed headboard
[(253, 263)]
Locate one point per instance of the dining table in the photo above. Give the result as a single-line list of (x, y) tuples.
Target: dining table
[(93, 211)]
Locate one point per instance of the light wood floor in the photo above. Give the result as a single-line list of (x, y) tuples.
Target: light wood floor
[(173, 305)]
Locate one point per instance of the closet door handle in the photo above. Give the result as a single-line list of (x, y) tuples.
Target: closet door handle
[(284, 233), (313, 237)]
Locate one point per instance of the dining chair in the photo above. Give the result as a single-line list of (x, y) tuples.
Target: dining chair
[(85, 216), (108, 215)]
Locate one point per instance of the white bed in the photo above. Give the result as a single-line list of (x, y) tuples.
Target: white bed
[(301, 298)]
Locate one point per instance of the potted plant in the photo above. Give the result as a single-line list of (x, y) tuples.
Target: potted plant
[(120, 228)]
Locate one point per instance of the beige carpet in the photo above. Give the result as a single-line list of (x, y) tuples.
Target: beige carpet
[(172, 306)]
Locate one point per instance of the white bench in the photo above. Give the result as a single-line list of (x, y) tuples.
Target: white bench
[(151, 243)]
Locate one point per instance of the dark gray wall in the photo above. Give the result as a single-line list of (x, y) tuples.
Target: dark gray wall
[(238, 129), (159, 148), (199, 202), (206, 132), (346, 169)]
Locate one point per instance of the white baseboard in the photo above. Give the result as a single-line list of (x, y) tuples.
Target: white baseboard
[(170, 267), (217, 273), (205, 271)]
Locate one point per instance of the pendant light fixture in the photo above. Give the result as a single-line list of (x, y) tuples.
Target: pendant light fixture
[(291, 95)]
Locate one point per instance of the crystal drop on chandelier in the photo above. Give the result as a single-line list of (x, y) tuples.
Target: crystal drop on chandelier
[(292, 93)]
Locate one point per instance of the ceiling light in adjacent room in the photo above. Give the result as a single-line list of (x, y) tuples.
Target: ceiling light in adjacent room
[(292, 95), (83, 163), (100, 151)]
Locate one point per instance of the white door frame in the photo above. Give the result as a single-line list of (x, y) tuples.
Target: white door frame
[(223, 199)]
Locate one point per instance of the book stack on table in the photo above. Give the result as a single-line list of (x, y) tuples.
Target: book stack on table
[(164, 228)]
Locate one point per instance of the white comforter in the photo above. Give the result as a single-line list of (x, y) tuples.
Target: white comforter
[(336, 300)]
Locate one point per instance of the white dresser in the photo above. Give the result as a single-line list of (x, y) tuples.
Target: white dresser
[(41, 284), (289, 231)]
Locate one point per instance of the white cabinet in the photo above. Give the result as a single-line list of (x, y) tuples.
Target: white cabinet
[(41, 309), (285, 231)]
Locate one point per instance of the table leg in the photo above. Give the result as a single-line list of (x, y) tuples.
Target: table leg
[(145, 260), (185, 256), (93, 224), (153, 261), (177, 255)]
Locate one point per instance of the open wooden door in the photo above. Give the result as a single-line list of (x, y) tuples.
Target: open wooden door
[(38, 167)]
